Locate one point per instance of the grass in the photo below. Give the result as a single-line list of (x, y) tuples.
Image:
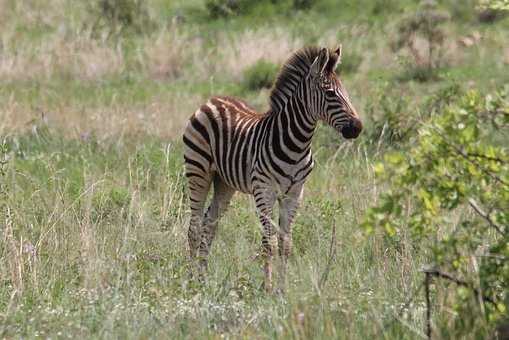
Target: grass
[(93, 201), (97, 244)]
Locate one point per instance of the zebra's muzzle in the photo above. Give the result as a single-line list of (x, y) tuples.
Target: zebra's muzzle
[(352, 129)]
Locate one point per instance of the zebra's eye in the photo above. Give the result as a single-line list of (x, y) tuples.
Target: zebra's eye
[(326, 85)]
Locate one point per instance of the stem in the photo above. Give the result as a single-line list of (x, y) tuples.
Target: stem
[(330, 258), (427, 282)]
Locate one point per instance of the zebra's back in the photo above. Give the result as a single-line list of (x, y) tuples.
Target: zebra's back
[(219, 139)]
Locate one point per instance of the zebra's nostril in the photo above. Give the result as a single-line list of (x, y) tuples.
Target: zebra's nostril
[(357, 124), (353, 129)]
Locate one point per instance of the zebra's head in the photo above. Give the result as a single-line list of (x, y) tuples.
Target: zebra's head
[(331, 102)]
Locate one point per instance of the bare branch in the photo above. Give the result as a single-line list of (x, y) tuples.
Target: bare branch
[(443, 275), (486, 216)]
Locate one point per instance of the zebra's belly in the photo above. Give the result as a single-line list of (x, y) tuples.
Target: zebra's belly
[(242, 186), (234, 173)]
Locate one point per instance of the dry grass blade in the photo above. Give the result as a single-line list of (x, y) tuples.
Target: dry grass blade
[(330, 258)]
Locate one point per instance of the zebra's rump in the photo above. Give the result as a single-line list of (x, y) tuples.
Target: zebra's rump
[(219, 138)]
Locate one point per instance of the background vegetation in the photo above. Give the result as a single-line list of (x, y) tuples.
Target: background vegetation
[(93, 212)]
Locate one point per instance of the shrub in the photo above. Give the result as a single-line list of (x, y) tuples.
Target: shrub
[(303, 4), (261, 75), (228, 8), (490, 15), (449, 192), (384, 7), (120, 16), (497, 5), (486, 11), (390, 118), (224, 8), (425, 24)]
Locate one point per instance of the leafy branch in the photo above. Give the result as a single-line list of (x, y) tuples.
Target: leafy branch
[(454, 165)]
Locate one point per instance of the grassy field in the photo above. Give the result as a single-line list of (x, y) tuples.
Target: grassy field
[(93, 202)]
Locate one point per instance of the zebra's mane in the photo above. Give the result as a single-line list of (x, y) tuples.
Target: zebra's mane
[(291, 74)]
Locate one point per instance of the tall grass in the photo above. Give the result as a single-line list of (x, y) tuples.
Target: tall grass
[(96, 246), (93, 204)]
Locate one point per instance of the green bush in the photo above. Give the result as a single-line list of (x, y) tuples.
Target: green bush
[(224, 8), (261, 75), (228, 8), (390, 118), (417, 72), (120, 16), (303, 4), (492, 10), (384, 7), (449, 193)]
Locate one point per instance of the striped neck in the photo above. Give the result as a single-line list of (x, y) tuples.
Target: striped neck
[(292, 130)]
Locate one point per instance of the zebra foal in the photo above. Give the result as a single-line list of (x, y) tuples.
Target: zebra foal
[(229, 145)]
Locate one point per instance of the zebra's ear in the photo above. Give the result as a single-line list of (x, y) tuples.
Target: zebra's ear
[(334, 60), (319, 63), (337, 55)]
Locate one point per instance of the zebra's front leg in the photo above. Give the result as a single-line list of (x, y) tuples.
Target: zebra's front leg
[(288, 205), (265, 198)]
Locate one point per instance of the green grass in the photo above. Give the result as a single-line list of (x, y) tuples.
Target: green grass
[(107, 223), (124, 89), (93, 204)]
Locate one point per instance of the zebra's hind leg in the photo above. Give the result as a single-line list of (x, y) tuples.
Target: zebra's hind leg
[(222, 197), (264, 200), (199, 185)]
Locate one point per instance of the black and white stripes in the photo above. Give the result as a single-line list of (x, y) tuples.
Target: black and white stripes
[(266, 155)]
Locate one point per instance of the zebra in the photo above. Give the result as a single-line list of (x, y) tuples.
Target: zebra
[(230, 146)]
